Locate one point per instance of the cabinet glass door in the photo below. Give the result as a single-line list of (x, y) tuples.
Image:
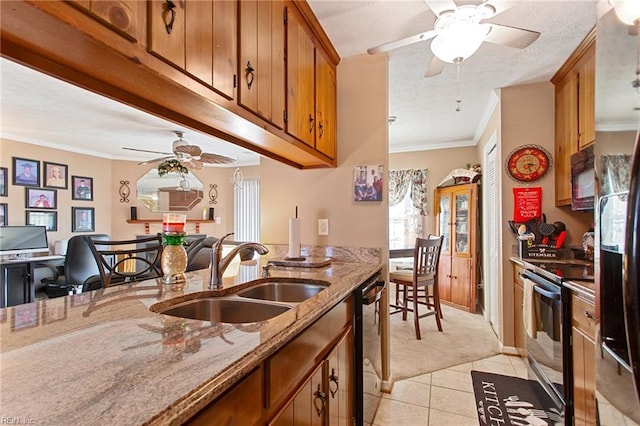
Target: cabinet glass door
[(461, 228), (444, 219)]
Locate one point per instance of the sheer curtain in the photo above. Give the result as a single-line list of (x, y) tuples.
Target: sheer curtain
[(407, 205)]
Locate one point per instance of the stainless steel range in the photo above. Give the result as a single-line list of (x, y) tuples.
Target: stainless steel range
[(548, 332)]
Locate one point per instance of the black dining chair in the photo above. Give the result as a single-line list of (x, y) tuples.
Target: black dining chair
[(414, 283), (79, 272), (125, 261)]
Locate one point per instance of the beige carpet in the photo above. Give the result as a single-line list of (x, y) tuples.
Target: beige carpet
[(465, 337)]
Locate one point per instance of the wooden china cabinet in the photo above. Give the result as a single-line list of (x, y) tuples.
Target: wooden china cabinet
[(457, 215)]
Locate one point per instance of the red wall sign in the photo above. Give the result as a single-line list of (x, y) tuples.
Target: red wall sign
[(527, 204)]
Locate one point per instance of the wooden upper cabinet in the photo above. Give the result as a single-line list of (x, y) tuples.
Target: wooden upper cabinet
[(167, 31), (225, 50), (128, 17), (575, 113), (566, 138), (325, 106), (301, 120), (261, 71), (586, 99)]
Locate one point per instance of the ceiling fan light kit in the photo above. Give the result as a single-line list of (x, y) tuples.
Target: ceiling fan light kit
[(460, 33), (628, 11)]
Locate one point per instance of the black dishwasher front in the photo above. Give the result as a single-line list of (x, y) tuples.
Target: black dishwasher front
[(368, 349)]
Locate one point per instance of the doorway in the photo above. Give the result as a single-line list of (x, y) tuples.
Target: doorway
[(491, 222)]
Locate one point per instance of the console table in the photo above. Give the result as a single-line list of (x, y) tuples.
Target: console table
[(17, 285)]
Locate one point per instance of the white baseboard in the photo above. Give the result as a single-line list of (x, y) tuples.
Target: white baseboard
[(509, 350)]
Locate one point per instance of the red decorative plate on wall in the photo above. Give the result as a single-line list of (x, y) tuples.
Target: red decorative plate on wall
[(528, 163)]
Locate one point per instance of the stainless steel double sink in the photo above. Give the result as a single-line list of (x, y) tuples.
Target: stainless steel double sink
[(259, 302)]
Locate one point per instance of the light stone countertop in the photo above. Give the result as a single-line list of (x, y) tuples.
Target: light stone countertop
[(104, 358)]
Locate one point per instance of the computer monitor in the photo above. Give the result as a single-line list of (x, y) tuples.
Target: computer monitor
[(20, 240)]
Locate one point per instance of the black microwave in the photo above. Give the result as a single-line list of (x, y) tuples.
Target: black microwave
[(583, 180)]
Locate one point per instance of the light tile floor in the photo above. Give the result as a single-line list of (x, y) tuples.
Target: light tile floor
[(444, 397)]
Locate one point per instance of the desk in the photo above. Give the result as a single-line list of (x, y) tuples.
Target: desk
[(17, 283)]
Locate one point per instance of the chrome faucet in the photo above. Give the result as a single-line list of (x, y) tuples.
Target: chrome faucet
[(219, 264)]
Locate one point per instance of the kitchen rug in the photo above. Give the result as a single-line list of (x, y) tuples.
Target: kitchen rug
[(507, 400)]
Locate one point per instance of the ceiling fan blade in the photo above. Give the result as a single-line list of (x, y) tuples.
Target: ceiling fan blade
[(435, 67), (439, 6), (156, 160), (511, 36), (402, 42), (145, 150), (193, 164), (192, 150), (209, 158)]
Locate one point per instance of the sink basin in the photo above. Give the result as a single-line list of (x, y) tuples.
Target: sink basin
[(283, 291), (225, 310)]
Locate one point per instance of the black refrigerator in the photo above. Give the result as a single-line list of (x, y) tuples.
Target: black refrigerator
[(618, 263), (617, 223)]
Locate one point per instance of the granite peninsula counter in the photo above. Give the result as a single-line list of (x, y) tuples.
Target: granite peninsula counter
[(104, 358)]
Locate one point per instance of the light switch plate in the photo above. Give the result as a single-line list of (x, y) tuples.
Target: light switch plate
[(323, 226)]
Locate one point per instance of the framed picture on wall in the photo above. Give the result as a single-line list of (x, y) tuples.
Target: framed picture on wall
[(4, 181), (368, 183), (82, 187), (26, 172), (47, 219), (55, 175), (41, 198), (82, 219), (4, 214)]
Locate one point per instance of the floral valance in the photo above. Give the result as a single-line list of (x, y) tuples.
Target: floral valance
[(401, 181)]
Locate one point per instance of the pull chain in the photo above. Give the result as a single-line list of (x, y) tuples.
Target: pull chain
[(458, 61)]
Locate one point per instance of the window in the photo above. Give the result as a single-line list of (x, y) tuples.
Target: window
[(405, 224)]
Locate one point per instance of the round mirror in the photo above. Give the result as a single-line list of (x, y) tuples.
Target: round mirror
[(173, 192)]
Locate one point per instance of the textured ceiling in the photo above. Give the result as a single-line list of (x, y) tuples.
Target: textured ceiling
[(425, 107), (37, 109)]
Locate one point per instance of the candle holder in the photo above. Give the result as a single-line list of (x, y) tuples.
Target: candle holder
[(174, 256)]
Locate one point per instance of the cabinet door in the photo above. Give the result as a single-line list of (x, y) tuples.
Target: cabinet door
[(566, 137), (242, 404), (168, 46), (444, 278), (583, 378), (210, 43), (301, 121), (461, 282), (309, 406), (462, 223), (443, 227), (125, 16), (325, 106), (586, 100), (339, 381), (261, 85), (518, 327)]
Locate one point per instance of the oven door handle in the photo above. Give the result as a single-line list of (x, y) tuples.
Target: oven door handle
[(554, 295)]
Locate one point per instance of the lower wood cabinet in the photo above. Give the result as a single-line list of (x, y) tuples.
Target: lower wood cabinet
[(325, 398), (518, 301), (308, 381), (584, 352)]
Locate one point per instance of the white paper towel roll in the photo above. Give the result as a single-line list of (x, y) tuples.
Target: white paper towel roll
[(294, 238)]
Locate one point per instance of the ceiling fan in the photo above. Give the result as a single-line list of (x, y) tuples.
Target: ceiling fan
[(459, 31), (189, 155)]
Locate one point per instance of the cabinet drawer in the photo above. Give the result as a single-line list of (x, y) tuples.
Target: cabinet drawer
[(287, 367), (583, 315)]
